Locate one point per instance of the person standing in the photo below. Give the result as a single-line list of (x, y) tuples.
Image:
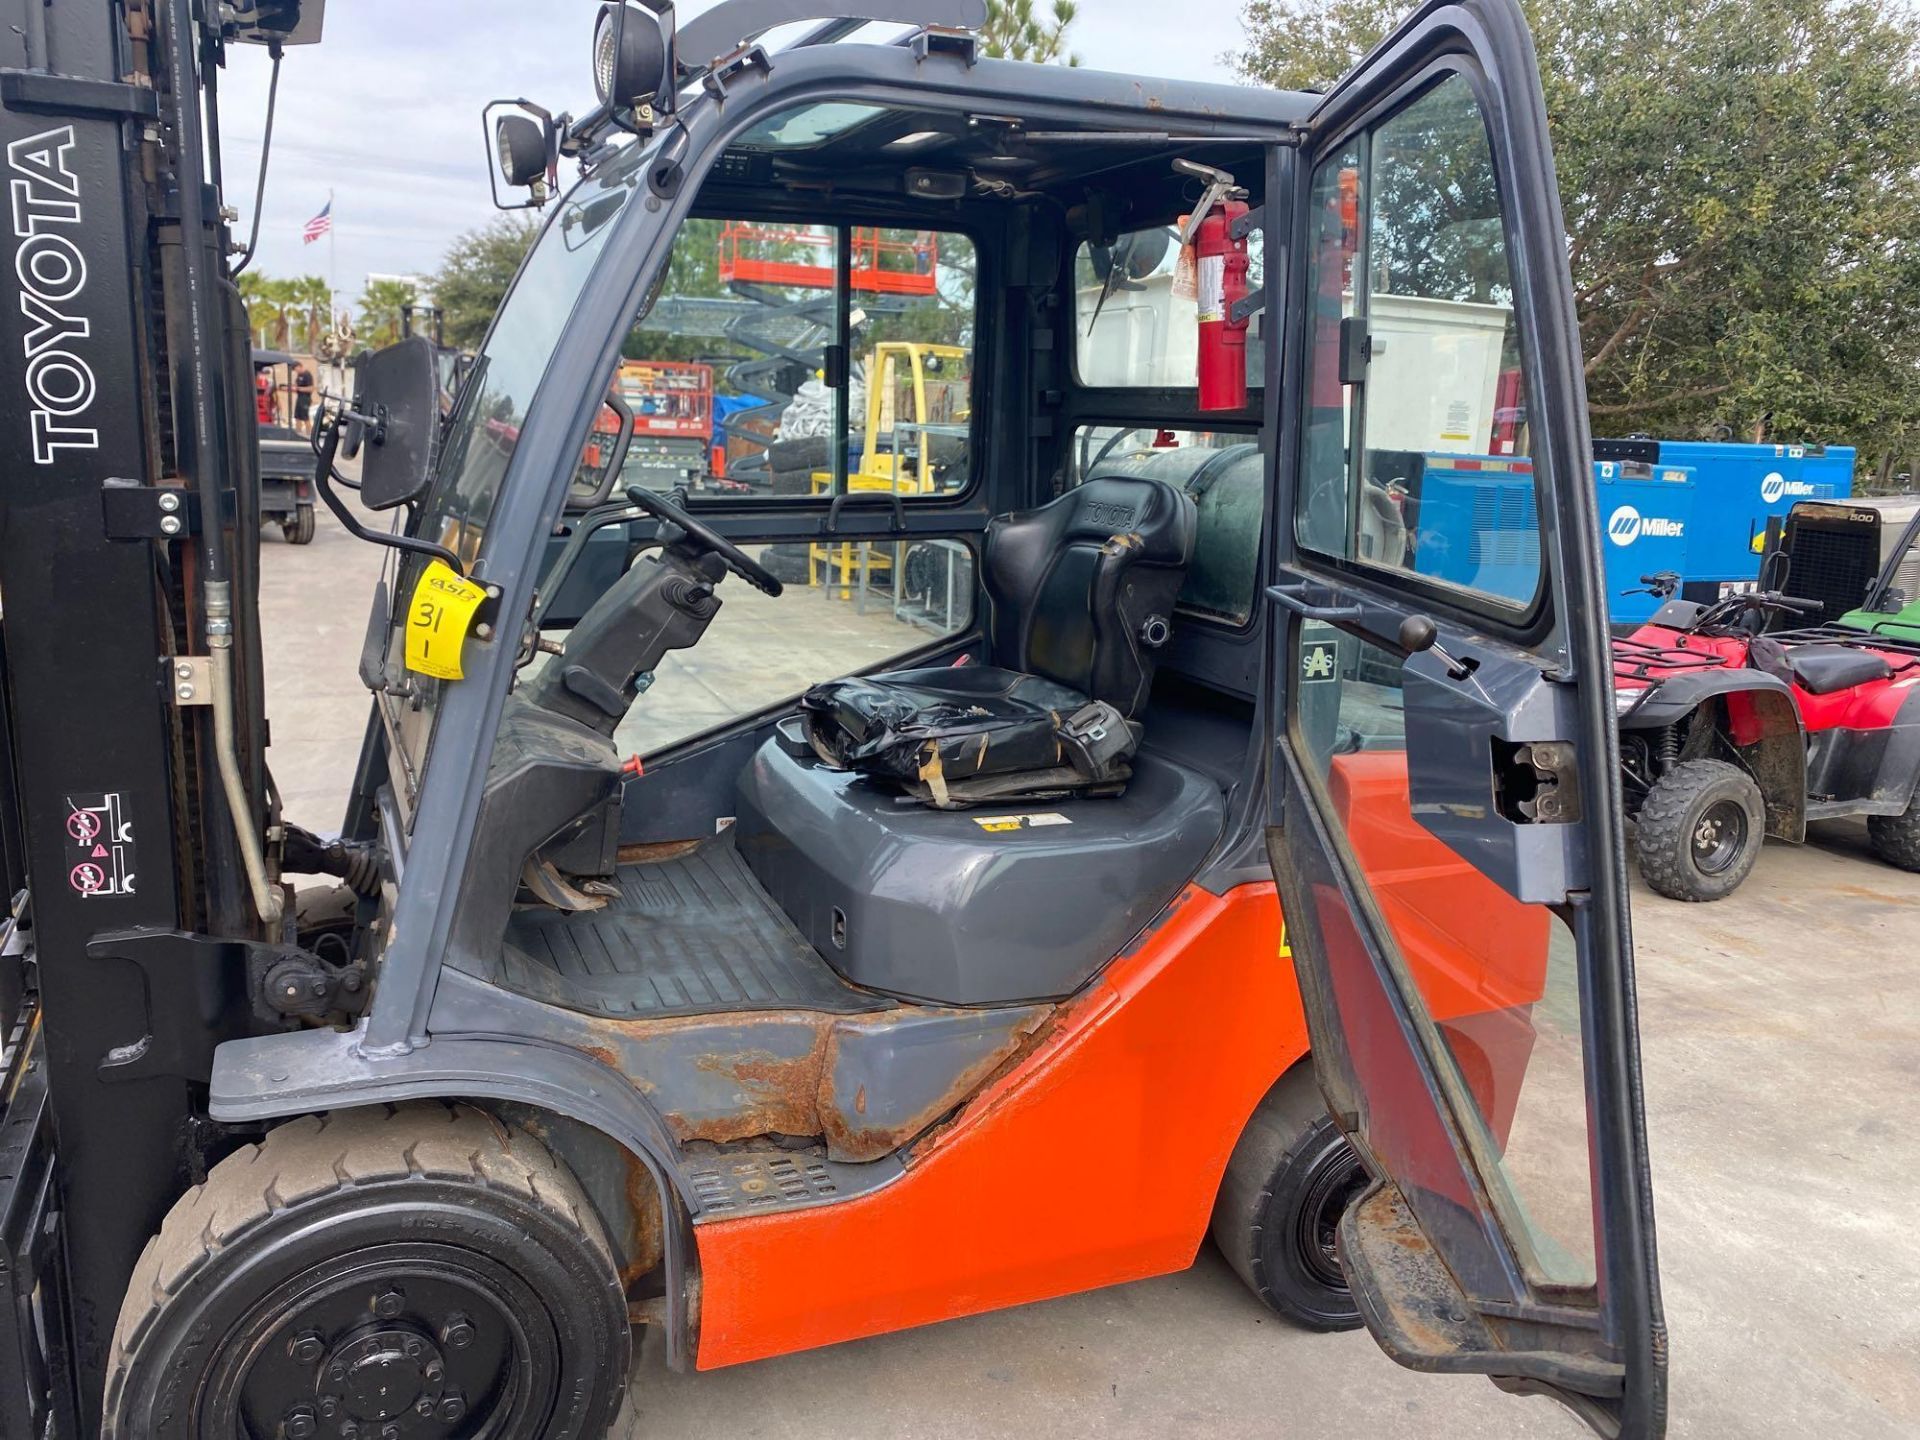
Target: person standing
[(302, 397)]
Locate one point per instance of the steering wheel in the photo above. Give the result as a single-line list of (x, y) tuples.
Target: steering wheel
[(731, 555)]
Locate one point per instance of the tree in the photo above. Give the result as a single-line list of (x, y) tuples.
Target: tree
[(1014, 32), (474, 276), (1740, 197), (380, 308), (311, 299)]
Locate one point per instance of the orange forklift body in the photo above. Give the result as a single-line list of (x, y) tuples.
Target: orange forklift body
[(1095, 1159)]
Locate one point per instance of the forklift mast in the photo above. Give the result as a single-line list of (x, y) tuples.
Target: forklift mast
[(128, 524)]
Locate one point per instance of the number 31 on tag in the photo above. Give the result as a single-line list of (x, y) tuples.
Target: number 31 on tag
[(438, 618)]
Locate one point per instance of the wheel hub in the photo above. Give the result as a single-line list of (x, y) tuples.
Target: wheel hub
[(1719, 836), (384, 1375)]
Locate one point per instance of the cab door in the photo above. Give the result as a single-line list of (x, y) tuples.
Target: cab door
[(1444, 822)]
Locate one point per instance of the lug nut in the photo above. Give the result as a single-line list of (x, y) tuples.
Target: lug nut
[(349, 1430), (389, 1431), (387, 1304), (453, 1407), (457, 1332), (299, 1424), (329, 1406), (434, 1370), (411, 1348), (338, 1372), (306, 1347), (423, 1407)]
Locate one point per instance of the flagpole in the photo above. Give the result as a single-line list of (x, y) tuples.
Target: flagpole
[(333, 274)]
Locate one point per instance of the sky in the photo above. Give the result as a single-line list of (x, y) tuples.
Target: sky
[(385, 113)]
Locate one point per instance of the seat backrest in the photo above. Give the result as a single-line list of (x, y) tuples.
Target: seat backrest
[(1081, 590)]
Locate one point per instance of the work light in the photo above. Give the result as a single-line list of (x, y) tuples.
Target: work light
[(629, 55)]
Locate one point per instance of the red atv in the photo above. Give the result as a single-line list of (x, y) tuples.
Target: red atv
[(1729, 734)]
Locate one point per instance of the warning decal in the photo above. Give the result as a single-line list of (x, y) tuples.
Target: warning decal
[(99, 845), (1020, 822)]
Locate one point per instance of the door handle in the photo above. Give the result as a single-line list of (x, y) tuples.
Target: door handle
[(1294, 597)]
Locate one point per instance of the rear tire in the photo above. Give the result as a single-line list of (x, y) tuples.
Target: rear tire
[(1700, 830), (421, 1268), (298, 527), (1290, 1180), (1896, 838)]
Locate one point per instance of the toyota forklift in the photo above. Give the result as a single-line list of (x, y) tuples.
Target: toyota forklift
[(1209, 869)]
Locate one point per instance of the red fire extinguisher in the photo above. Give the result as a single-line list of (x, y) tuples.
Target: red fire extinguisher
[(1221, 280)]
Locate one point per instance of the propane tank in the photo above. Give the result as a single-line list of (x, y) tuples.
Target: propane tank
[(1221, 278)]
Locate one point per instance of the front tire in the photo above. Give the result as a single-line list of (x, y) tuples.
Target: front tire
[(1896, 838), (1291, 1178), (1700, 830), (423, 1272)]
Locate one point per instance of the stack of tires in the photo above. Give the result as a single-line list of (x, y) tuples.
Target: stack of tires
[(791, 465)]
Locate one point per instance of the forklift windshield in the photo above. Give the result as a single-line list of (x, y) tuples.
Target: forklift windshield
[(493, 403)]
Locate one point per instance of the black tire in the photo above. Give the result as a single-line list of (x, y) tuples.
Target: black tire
[(790, 482), (1290, 1179), (422, 1267), (1699, 830), (806, 454), (1896, 838), (789, 563), (298, 527)]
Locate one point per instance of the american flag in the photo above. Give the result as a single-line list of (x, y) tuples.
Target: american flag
[(320, 224)]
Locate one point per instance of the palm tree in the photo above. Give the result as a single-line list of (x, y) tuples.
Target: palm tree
[(380, 307), (314, 299)]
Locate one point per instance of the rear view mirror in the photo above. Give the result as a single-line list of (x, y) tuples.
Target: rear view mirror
[(396, 407)]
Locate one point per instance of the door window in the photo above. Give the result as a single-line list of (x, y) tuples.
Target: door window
[(1495, 976), (1417, 447), (730, 370)]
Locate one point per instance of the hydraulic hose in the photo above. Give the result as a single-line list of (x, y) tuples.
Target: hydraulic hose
[(266, 896)]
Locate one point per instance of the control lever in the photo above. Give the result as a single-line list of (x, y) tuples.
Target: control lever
[(1418, 633)]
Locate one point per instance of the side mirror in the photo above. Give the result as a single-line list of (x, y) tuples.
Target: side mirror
[(396, 403)]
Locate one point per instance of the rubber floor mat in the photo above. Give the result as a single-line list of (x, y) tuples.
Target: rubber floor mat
[(688, 936)]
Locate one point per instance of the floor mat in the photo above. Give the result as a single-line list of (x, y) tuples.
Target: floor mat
[(688, 936)]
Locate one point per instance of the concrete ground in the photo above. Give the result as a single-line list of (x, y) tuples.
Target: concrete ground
[(1781, 1031)]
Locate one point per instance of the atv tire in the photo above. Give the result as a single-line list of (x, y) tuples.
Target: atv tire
[(298, 527), (1291, 1178), (1699, 830), (1896, 838)]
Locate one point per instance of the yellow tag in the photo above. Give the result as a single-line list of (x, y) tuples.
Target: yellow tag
[(437, 620), (1286, 946)]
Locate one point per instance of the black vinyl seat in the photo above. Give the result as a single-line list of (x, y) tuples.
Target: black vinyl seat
[(1823, 669), (1080, 596)]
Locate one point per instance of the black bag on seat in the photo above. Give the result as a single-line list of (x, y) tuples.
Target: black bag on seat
[(1080, 595)]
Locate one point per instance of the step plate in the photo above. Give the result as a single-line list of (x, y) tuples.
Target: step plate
[(760, 1182)]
